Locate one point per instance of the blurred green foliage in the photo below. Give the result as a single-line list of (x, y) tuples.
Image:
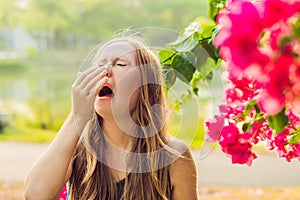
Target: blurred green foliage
[(12, 68), (27, 134), (73, 23), (36, 90)]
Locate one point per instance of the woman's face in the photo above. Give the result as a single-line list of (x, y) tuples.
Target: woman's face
[(118, 97)]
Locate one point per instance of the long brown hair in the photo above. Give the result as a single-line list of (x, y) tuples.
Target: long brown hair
[(92, 179)]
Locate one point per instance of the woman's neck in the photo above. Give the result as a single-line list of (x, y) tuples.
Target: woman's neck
[(117, 136)]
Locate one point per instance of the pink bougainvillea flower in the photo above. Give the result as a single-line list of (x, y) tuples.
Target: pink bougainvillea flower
[(232, 113), (293, 94), (229, 135), (296, 6), (278, 32), (272, 99), (239, 33), (225, 25), (294, 118), (214, 128), (241, 89), (291, 152), (242, 154), (236, 145), (276, 10), (270, 104), (243, 50), (245, 18), (279, 76), (286, 150), (280, 140), (259, 43), (243, 14), (294, 152), (295, 104), (260, 132)]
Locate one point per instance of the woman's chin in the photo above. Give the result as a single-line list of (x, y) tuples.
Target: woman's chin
[(103, 109)]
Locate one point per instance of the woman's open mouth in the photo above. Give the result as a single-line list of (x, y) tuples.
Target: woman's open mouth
[(106, 92)]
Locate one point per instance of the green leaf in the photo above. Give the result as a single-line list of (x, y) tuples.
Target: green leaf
[(209, 76), (208, 31), (295, 137), (214, 50), (296, 29), (201, 54), (188, 44), (169, 76), (207, 26), (206, 69), (195, 90), (186, 33), (214, 7), (165, 56), (176, 105), (186, 97), (249, 107), (184, 65), (195, 81), (246, 126), (215, 32), (211, 50), (257, 109), (278, 122)]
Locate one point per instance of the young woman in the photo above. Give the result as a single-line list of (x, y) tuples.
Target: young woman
[(114, 144)]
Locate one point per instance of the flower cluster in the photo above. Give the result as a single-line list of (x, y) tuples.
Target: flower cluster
[(260, 44), (238, 129)]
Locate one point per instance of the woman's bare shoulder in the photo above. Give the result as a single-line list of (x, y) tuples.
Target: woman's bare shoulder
[(178, 145), (184, 158), (183, 171)]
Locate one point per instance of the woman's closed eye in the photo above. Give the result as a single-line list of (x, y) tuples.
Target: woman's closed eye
[(121, 64)]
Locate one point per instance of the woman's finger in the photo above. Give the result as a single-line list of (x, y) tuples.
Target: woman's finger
[(94, 81), (82, 75), (95, 90), (99, 73)]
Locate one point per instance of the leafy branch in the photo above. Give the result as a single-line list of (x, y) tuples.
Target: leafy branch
[(191, 57)]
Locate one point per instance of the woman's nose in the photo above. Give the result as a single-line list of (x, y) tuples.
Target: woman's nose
[(108, 69)]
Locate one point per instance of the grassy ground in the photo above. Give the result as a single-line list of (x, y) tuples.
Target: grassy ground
[(27, 134), (15, 191)]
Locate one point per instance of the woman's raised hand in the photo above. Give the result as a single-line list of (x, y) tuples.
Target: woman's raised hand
[(40, 181), (84, 91)]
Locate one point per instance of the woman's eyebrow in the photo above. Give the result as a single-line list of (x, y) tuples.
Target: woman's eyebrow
[(102, 60), (122, 58)]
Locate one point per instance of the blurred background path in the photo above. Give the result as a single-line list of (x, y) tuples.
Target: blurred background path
[(214, 169), (268, 170)]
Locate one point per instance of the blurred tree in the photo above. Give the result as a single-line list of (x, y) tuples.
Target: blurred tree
[(74, 23), (10, 14), (49, 20)]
